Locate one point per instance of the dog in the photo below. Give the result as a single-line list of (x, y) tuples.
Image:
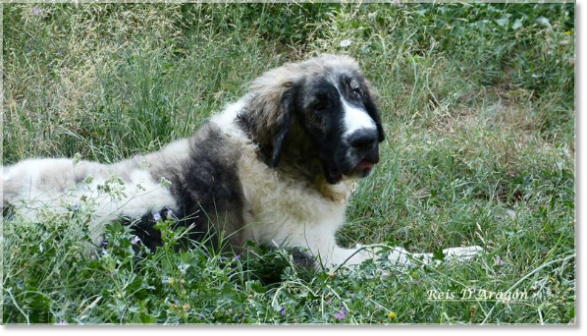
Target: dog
[(276, 167)]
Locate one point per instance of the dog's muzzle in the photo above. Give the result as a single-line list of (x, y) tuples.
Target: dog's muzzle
[(363, 144)]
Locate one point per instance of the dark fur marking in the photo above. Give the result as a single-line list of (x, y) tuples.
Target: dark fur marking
[(303, 259), (323, 126), (247, 123), (208, 193)]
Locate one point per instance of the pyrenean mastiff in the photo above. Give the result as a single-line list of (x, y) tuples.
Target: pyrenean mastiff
[(277, 167)]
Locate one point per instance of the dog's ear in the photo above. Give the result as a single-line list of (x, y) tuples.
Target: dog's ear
[(269, 116), (371, 106), (282, 126)]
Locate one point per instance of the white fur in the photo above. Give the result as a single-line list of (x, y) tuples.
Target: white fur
[(39, 184), (355, 119)]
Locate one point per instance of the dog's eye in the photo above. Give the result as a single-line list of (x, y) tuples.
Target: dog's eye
[(357, 93), (320, 105)]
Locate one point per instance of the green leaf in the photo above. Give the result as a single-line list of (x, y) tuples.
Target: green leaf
[(503, 21), (438, 254)]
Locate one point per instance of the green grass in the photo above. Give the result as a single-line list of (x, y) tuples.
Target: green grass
[(478, 104)]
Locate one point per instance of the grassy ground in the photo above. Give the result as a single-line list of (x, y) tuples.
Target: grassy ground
[(478, 103)]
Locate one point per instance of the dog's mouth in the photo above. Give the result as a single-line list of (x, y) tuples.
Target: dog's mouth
[(364, 165), (363, 168), (349, 165), (360, 170)]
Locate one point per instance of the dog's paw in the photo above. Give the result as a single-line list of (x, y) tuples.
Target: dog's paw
[(462, 254)]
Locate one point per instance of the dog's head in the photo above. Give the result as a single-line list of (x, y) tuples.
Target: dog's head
[(325, 103)]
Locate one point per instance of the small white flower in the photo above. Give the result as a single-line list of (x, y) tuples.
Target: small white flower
[(156, 216), (542, 21), (498, 261), (345, 43), (169, 214), (36, 11), (511, 213)]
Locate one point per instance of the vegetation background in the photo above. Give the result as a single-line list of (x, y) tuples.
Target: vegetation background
[(478, 103)]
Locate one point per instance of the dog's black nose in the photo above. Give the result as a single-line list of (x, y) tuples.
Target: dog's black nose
[(363, 139)]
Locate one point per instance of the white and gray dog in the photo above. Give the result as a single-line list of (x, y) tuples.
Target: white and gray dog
[(277, 167)]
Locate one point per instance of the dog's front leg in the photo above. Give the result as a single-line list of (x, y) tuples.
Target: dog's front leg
[(399, 256), (349, 256), (354, 256), (328, 254)]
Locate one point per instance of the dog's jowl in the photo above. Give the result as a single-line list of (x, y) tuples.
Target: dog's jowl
[(276, 167)]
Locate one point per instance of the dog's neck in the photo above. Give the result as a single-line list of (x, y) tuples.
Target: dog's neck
[(300, 159)]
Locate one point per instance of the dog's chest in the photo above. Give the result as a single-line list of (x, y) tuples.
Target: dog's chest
[(281, 209)]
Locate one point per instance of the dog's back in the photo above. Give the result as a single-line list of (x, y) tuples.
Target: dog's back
[(59, 185), (194, 178)]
